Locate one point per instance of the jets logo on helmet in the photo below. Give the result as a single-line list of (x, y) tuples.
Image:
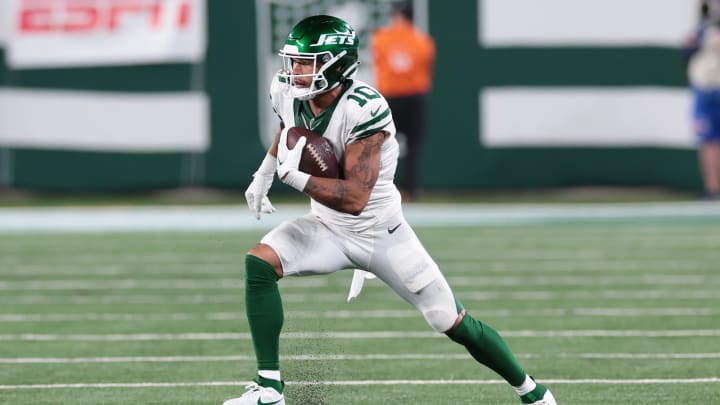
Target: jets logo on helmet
[(337, 38), (330, 45)]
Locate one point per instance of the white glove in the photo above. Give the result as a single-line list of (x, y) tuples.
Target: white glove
[(256, 193), (356, 285), (288, 161)]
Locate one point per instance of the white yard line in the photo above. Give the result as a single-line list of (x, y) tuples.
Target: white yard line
[(477, 264), (648, 356), (349, 314), (201, 299), (708, 380), (139, 284), (127, 337), (587, 267), (193, 359), (312, 282), (457, 256), (344, 357)]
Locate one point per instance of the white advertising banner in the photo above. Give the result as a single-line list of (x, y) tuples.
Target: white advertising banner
[(62, 33), (5, 22), (506, 23), (586, 117), (96, 121)]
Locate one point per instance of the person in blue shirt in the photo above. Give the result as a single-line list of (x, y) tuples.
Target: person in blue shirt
[(703, 58)]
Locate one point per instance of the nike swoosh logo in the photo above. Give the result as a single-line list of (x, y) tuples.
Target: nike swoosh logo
[(393, 229), (375, 111), (260, 402)]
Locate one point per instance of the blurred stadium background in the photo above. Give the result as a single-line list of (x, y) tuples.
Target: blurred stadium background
[(556, 127), (138, 95)]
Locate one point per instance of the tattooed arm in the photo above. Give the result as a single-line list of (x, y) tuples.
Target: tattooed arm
[(361, 168)]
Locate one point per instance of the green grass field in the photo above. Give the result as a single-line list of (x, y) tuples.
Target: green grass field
[(605, 312)]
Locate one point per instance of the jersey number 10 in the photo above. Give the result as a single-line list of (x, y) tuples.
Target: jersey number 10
[(362, 94)]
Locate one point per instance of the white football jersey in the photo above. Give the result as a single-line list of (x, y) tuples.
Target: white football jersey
[(359, 111)]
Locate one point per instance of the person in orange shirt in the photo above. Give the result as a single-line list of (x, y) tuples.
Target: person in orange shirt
[(404, 59)]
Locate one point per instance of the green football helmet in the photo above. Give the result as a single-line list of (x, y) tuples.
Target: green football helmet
[(330, 44)]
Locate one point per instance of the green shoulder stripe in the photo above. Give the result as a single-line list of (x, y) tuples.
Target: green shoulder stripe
[(362, 127), (369, 132)]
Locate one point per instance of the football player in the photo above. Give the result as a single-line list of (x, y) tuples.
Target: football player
[(355, 221)]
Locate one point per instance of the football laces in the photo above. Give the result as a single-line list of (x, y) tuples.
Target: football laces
[(316, 157)]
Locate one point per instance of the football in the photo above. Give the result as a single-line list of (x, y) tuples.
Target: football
[(318, 157)]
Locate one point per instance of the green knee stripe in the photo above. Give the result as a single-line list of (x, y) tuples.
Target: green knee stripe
[(258, 272)]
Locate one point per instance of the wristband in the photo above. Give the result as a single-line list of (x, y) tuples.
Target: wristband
[(267, 167), (296, 179)]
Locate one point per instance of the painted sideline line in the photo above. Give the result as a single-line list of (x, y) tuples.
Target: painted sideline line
[(365, 382), (329, 357), (44, 337), (237, 217)]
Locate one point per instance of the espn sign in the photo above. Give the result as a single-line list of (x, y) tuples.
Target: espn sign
[(61, 33), (41, 16)]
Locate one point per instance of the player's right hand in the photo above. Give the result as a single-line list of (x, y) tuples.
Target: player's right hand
[(256, 194)]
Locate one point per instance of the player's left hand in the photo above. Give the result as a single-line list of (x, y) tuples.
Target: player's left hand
[(288, 161), (256, 195)]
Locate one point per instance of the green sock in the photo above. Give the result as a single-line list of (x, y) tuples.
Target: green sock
[(263, 306), (487, 347)]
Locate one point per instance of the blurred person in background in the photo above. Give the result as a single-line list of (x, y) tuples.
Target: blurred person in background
[(703, 56), (355, 221), (404, 59)]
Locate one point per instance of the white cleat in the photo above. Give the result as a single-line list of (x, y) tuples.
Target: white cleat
[(258, 395)]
